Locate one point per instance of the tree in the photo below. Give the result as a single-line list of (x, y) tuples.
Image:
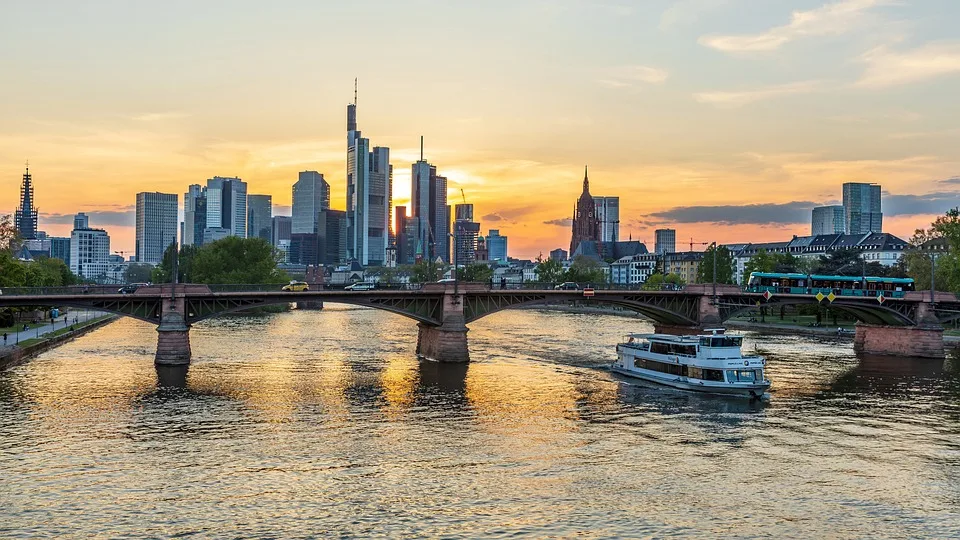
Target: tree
[(549, 270), (163, 273), (235, 260), (842, 262), (760, 262), (585, 270), (476, 273), (138, 273), (916, 263), (656, 282), (426, 271), (724, 266), (9, 236)]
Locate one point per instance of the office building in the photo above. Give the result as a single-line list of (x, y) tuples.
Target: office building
[(369, 196), (156, 225), (194, 215), (60, 248), (665, 241), (282, 228), (311, 195), (227, 206), (260, 217), (558, 254), (304, 249), (404, 253), (465, 231), (828, 220), (429, 211), (212, 234), (861, 205), (608, 216), (89, 250), (332, 235), (25, 216), (81, 221), (496, 246)]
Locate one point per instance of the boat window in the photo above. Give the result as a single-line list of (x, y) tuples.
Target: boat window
[(662, 367), (727, 341), (742, 375), (712, 375)]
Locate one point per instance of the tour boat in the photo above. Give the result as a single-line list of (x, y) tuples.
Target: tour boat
[(711, 363)]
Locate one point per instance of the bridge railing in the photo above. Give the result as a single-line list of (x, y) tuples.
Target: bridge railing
[(65, 290)]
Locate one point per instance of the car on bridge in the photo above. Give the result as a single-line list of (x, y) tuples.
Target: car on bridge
[(567, 286), (130, 288), (361, 286), (296, 286)]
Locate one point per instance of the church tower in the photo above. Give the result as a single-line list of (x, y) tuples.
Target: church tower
[(586, 224)]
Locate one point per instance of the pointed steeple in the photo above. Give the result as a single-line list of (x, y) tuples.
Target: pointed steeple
[(586, 182)]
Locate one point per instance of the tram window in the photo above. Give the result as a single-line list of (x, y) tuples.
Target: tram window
[(726, 342)]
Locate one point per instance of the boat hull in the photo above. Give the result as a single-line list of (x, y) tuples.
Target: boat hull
[(753, 391)]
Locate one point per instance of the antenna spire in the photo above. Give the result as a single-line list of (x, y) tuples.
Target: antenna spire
[(355, 91), (421, 148)]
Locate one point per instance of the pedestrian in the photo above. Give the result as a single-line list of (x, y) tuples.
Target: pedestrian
[(4, 338), (25, 327), (503, 283)]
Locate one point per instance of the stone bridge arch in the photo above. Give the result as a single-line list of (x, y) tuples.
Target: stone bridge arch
[(890, 313), (671, 309)]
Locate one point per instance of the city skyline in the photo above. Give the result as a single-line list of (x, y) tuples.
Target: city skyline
[(689, 120)]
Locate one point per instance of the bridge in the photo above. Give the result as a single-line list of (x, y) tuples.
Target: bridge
[(910, 326)]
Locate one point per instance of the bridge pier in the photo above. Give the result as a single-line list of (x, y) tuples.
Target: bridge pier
[(447, 342), (173, 334), (923, 341)]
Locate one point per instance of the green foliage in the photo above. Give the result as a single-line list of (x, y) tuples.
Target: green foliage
[(229, 260), (549, 270), (138, 273), (9, 237), (724, 266), (917, 263), (426, 272), (781, 263), (585, 270), (657, 281), (840, 262), (475, 273), (43, 272)]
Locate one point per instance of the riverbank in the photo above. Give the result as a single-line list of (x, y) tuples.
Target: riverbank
[(16, 354)]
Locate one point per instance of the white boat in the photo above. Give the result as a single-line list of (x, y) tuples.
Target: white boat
[(711, 363)]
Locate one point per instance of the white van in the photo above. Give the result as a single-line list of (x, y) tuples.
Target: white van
[(361, 286)]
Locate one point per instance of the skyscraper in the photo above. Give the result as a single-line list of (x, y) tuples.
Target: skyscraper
[(369, 196), (496, 246), (282, 228), (465, 232), (227, 206), (828, 220), (665, 241), (156, 225), (429, 210), (586, 226), (194, 215), (404, 253), (81, 221), (608, 214), (25, 217), (861, 204), (89, 250), (260, 217), (311, 195)]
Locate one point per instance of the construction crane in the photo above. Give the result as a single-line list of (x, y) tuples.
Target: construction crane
[(698, 243), (462, 194)]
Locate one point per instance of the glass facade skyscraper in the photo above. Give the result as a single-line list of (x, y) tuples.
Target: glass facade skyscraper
[(156, 225), (828, 220), (861, 205)]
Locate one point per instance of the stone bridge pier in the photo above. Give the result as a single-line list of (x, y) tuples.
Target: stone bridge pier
[(173, 333), (708, 316), (923, 340), (447, 342)]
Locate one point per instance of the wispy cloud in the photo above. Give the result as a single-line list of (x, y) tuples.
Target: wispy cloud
[(98, 218), (629, 76), (749, 214), (560, 222), (743, 97), (890, 68), (912, 205), (830, 19)]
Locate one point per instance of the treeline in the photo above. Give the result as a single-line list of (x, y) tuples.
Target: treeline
[(231, 260)]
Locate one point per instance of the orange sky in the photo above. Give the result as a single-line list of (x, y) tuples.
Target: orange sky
[(753, 118)]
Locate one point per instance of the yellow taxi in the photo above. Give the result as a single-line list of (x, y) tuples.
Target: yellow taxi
[(296, 286)]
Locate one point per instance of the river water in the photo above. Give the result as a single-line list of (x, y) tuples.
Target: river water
[(313, 424)]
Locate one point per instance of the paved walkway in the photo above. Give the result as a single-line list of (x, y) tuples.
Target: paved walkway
[(73, 317)]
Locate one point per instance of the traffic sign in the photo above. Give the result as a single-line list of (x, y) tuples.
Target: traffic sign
[(588, 292), (831, 297), (820, 297), (767, 295), (880, 298)]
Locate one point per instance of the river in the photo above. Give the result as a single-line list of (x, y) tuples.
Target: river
[(314, 424)]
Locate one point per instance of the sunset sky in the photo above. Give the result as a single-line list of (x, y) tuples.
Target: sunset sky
[(725, 119)]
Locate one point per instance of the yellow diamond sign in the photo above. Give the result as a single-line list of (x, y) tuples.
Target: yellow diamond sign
[(820, 297), (831, 297)]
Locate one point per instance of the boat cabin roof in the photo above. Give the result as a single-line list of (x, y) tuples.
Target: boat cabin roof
[(670, 338)]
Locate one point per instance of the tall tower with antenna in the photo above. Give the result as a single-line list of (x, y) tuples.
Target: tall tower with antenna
[(25, 217)]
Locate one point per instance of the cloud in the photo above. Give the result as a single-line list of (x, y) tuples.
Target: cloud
[(953, 180), (630, 76), (740, 98), (492, 217), (889, 68), (912, 205), (560, 222), (830, 19), (751, 214), (510, 215), (98, 218)]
